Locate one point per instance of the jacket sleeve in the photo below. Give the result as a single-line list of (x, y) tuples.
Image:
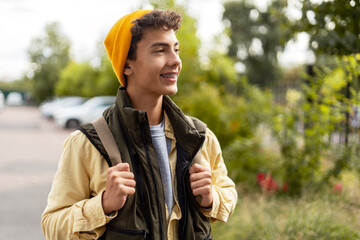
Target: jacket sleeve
[(224, 192), (74, 209)]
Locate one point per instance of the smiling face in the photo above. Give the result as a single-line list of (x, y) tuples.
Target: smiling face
[(156, 67)]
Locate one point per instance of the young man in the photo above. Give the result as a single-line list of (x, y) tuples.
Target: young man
[(172, 180)]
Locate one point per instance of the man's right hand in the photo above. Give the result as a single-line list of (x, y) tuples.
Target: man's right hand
[(119, 185)]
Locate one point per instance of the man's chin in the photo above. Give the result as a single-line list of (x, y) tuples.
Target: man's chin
[(171, 92)]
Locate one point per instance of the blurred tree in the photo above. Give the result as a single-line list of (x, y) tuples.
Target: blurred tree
[(49, 54), (89, 80), (334, 29), (108, 83), (22, 85), (333, 26), (220, 72), (320, 106), (189, 45), (235, 120), (228, 116), (78, 79), (257, 37)]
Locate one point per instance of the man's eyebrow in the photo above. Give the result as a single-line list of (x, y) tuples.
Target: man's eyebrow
[(163, 44)]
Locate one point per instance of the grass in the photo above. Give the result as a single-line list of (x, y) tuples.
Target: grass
[(313, 216)]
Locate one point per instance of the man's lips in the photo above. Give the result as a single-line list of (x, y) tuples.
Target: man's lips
[(169, 75)]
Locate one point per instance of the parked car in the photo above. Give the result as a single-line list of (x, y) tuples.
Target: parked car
[(2, 100), (14, 99), (48, 108), (90, 110)]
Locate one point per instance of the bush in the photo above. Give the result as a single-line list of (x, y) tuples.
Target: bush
[(246, 158), (236, 121), (316, 216), (303, 128)]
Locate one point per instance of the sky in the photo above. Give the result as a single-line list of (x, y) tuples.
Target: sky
[(86, 22)]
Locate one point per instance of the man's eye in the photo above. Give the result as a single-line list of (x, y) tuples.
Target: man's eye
[(177, 50), (160, 51)]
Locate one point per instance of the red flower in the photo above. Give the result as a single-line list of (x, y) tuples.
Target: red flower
[(261, 177), (337, 188), (267, 183)]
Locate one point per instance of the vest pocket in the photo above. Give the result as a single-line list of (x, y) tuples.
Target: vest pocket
[(117, 233)]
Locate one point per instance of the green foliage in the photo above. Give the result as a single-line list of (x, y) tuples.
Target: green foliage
[(50, 53), (320, 107), (234, 120), (334, 26), (221, 73), (22, 85), (228, 116), (256, 38), (247, 121), (85, 80), (189, 46), (108, 83), (324, 216), (78, 79), (247, 157)]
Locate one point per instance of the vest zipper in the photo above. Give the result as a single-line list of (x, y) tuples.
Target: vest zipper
[(134, 159), (153, 176)]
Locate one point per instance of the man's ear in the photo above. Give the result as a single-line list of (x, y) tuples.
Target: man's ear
[(127, 68)]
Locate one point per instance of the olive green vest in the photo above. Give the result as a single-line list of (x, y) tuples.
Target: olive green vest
[(143, 215)]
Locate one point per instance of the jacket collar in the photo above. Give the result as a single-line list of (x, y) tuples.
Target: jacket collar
[(131, 116), (186, 135)]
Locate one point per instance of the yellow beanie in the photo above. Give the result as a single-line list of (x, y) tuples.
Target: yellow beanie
[(118, 41)]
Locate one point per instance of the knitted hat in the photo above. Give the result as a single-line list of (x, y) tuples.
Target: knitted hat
[(118, 41)]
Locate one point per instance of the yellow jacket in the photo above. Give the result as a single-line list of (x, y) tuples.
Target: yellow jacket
[(74, 209)]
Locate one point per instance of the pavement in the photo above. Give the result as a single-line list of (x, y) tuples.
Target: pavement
[(30, 147)]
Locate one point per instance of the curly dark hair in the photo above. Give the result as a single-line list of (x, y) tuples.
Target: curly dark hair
[(164, 19)]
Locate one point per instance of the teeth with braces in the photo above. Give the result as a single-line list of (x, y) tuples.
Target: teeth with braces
[(168, 75)]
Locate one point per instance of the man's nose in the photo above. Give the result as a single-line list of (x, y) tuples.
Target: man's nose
[(174, 59)]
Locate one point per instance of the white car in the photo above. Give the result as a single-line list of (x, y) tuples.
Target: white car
[(14, 99), (48, 108), (2, 100), (88, 111)]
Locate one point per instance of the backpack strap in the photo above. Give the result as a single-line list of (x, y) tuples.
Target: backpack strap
[(107, 140), (197, 124), (201, 127)]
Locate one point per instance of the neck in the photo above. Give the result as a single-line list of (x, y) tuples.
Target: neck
[(151, 105)]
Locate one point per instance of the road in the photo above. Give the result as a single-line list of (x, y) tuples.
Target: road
[(30, 148)]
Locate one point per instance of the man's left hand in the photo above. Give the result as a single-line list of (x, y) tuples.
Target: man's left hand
[(200, 182)]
